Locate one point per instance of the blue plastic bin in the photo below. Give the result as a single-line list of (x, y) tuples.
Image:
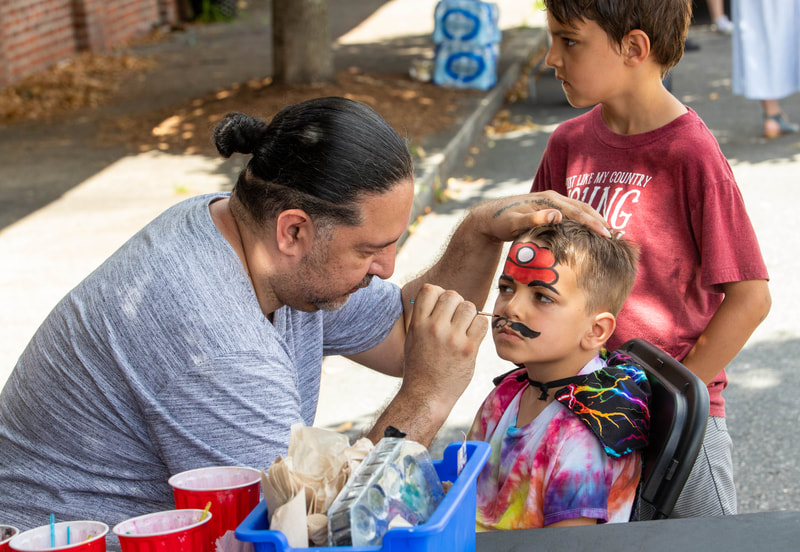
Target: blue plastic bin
[(451, 527)]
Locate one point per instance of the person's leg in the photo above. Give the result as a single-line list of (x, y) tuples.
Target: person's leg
[(716, 10), (710, 490), (771, 107), (775, 122)]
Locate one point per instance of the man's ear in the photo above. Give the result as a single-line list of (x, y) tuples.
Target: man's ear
[(635, 47), (601, 329), (294, 231)]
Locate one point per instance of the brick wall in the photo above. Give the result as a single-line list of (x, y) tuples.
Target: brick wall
[(34, 34), (168, 11)]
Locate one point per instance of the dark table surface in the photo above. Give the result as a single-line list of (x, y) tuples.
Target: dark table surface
[(761, 532)]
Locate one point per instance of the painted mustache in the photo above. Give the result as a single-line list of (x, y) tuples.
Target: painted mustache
[(520, 328)]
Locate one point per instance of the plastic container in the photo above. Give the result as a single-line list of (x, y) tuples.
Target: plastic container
[(84, 536), (466, 65), (168, 531), (7, 532), (397, 478), (232, 490), (466, 21), (451, 527)]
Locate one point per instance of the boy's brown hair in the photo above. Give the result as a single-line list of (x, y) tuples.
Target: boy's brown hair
[(666, 22), (605, 268)]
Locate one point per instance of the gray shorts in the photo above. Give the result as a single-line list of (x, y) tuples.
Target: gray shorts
[(710, 491)]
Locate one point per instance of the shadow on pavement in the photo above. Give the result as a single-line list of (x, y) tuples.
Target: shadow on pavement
[(762, 417)]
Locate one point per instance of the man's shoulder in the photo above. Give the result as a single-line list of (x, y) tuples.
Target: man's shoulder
[(191, 204)]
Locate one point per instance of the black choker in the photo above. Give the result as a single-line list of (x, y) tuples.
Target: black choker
[(545, 387)]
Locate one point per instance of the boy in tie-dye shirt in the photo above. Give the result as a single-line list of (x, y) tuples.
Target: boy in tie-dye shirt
[(566, 425)]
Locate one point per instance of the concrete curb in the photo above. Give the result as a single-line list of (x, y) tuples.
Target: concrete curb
[(439, 167)]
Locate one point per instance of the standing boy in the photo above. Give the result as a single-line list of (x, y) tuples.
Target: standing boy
[(650, 165)]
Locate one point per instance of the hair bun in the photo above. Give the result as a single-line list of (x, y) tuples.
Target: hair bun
[(238, 133)]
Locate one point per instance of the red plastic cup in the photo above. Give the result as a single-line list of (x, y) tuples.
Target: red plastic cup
[(7, 532), (232, 491), (169, 531), (84, 536)]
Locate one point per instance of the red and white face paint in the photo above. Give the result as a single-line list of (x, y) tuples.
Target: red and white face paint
[(529, 264)]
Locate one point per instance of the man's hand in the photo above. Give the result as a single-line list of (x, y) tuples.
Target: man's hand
[(442, 344), (506, 218)]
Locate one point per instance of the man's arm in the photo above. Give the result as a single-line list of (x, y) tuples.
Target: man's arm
[(745, 306), (469, 262)]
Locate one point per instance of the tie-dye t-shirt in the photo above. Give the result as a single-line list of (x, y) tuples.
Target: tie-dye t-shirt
[(550, 470)]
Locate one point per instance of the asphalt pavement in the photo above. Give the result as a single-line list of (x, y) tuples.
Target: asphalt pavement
[(77, 207)]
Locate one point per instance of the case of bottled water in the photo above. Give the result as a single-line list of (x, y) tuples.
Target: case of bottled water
[(467, 37)]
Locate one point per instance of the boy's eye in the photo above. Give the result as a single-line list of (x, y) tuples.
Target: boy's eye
[(542, 298), (569, 42), (504, 288)]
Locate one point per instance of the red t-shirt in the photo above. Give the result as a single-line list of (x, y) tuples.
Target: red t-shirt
[(672, 192)]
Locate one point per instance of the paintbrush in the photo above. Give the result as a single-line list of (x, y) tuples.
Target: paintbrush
[(476, 312)]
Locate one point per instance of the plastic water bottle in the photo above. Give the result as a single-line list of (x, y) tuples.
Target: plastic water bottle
[(466, 21), (466, 65)]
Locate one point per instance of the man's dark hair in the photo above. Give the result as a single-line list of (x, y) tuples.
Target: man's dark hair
[(322, 156)]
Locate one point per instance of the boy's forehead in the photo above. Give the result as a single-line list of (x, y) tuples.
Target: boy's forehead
[(554, 24), (530, 252), (529, 262), (573, 27)]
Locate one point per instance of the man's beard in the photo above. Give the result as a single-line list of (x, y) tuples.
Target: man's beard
[(314, 267), (339, 302)]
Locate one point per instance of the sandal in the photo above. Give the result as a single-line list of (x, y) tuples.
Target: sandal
[(776, 125)]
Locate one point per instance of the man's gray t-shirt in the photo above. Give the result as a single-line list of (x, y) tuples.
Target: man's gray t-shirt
[(162, 361)]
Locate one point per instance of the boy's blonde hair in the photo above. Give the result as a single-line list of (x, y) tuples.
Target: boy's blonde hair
[(605, 268), (666, 22)]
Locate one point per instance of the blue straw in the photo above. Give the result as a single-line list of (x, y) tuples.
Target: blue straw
[(52, 530), (67, 534)]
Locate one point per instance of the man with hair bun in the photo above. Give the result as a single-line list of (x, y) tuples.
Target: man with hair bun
[(200, 341)]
